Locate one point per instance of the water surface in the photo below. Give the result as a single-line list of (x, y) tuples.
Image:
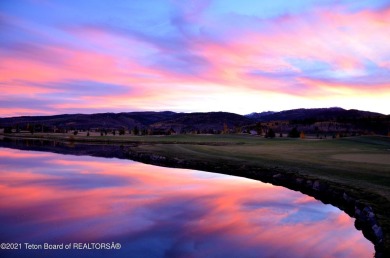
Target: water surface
[(161, 212)]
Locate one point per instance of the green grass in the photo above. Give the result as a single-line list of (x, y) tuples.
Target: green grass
[(316, 158)]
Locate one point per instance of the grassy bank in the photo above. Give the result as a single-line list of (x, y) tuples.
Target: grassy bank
[(362, 162), (360, 166)]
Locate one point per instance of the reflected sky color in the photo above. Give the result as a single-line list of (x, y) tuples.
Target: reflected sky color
[(162, 212), (68, 56)]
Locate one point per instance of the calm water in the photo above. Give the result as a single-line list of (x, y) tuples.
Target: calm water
[(160, 212)]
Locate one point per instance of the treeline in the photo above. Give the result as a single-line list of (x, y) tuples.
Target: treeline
[(341, 127), (365, 125)]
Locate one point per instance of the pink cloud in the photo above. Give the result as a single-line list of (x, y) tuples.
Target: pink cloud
[(345, 41), (9, 112), (256, 60)]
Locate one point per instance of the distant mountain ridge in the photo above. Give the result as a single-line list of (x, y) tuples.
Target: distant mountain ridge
[(156, 120), (319, 114), (209, 122), (98, 120), (258, 116)]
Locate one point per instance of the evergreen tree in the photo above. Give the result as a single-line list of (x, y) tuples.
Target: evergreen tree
[(294, 133), (270, 133), (136, 130)]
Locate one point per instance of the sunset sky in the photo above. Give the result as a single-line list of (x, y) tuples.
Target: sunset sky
[(244, 56)]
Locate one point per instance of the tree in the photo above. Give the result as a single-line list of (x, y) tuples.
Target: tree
[(294, 133), (8, 130), (270, 133), (259, 129), (225, 128), (32, 129), (171, 131), (136, 130)]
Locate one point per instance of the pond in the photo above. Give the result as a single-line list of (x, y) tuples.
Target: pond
[(106, 207)]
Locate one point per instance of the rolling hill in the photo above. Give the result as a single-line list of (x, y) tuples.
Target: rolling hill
[(210, 122), (319, 114)]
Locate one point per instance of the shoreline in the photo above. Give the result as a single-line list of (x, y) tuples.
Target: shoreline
[(371, 220), (327, 193)]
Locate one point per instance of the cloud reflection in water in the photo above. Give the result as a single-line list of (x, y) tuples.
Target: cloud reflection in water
[(163, 212)]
